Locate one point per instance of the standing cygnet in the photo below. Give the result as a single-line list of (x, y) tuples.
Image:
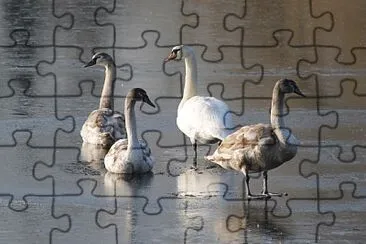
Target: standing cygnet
[(260, 147)]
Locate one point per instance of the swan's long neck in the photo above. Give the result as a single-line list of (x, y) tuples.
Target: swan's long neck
[(190, 83), (277, 115), (130, 122), (106, 100)]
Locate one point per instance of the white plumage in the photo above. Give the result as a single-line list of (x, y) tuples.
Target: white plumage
[(202, 119)]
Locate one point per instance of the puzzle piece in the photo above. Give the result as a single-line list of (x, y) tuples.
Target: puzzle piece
[(348, 206), (33, 224), (67, 71), (346, 136), (85, 31), (148, 71), (278, 60), (314, 221), (172, 155), (66, 170), (123, 14), (309, 134), (257, 224), (22, 112), (82, 208), (330, 171), (18, 158), (224, 226), (210, 30), (35, 17), (131, 223), (346, 22), (139, 186), (23, 69), (196, 184), (262, 18), (327, 72)]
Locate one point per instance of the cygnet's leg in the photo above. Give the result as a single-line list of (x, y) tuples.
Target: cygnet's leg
[(265, 187), (194, 166), (248, 194)]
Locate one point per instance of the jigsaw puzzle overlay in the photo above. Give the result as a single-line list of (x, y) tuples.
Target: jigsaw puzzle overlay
[(55, 189)]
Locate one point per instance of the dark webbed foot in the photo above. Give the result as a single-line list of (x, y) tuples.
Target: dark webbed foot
[(193, 167), (265, 188)]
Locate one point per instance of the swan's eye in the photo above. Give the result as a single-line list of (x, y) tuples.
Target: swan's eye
[(175, 51)]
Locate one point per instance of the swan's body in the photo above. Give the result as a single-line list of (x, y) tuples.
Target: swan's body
[(260, 147), (130, 155), (104, 126), (203, 119)]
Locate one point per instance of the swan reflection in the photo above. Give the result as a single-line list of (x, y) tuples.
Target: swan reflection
[(93, 156)]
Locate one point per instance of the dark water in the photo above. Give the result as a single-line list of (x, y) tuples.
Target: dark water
[(47, 194)]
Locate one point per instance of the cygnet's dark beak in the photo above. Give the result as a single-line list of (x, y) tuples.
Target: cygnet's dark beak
[(297, 91), (171, 56), (146, 99), (91, 63)]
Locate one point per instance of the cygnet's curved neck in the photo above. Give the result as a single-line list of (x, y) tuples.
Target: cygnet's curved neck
[(277, 114), (190, 83), (130, 123), (106, 100)]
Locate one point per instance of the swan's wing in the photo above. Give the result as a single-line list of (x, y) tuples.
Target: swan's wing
[(145, 148), (121, 145), (118, 121), (248, 137), (107, 122), (118, 147), (206, 117), (149, 160), (242, 146), (118, 158)]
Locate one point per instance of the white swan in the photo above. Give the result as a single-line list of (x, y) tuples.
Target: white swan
[(104, 126), (203, 119), (130, 155), (260, 147)]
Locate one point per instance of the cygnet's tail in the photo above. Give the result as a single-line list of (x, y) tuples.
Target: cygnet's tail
[(209, 158)]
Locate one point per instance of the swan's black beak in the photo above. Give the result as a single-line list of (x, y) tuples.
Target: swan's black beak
[(171, 56), (91, 63), (146, 99), (298, 92)]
